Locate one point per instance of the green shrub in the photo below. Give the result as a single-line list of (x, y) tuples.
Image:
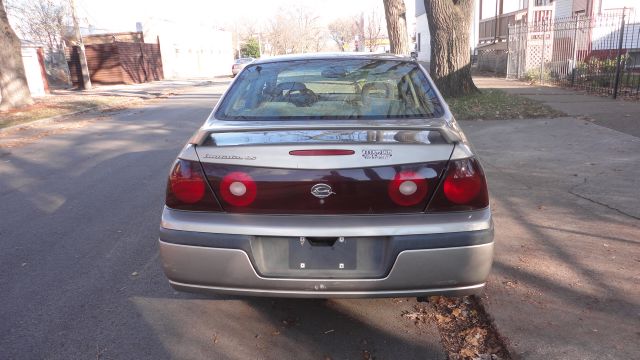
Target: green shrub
[(251, 48), (533, 75)]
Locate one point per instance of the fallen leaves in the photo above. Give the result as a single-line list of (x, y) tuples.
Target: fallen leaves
[(492, 104), (465, 330), (420, 315), (456, 312)]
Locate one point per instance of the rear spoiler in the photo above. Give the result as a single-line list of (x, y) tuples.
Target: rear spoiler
[(449, 133)]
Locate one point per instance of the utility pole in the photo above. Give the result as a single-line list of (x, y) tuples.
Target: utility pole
[(237, 41), (84, 69)]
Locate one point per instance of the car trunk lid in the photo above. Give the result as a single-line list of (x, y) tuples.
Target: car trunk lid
[(324, 171)]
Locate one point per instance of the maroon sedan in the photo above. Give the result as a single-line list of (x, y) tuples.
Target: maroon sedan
[(240, 64), (328, 176)]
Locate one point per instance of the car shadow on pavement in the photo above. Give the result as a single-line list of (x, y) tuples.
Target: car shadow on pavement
[(275, 328)]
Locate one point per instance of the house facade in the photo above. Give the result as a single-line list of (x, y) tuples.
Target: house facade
[(496, 15)]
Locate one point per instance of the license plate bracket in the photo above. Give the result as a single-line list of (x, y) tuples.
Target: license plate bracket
[(304, 254)]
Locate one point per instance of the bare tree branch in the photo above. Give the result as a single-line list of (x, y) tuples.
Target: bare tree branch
[(373, 30), (342, 31), (42, 21), (294, 30)]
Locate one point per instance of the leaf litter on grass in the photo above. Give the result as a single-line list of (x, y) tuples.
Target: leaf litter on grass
[(492, 104)]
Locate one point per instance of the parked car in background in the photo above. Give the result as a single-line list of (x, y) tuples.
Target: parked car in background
[(328, 176), (240, 64)]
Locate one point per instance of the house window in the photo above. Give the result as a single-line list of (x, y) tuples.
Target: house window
[(543, 2), (419, 41)]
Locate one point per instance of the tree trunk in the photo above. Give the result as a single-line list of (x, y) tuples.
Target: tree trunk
[(396, 16), (449, 24), (13, 81)]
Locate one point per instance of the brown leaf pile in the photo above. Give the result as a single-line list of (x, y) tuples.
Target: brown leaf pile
[(465, 330)]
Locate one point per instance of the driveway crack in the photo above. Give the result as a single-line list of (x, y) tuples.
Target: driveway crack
[(572, 192)]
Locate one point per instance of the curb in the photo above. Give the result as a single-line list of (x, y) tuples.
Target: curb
[(52, 119), (47, 120)]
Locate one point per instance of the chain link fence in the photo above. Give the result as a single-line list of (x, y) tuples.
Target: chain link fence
[(599, 54)]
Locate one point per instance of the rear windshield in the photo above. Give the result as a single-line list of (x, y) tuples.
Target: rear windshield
[(367, 89)]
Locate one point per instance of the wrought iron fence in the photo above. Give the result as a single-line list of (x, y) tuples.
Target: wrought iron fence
[(599, 54)]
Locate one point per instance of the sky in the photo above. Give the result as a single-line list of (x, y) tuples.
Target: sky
[(122, 15)]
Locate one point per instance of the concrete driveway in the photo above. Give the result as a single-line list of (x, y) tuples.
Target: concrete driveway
[(566, 277)]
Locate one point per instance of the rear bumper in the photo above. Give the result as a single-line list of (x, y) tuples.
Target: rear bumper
[(414, 264), (447, 271)]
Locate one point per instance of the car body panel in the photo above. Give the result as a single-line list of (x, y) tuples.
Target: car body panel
[(360, 256), (459, 270), (326, 225), (354, 190), (363, 156)]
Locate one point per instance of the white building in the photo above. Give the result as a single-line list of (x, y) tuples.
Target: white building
[(190, 50)]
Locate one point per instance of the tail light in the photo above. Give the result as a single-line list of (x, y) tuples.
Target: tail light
[(187, 188), (321, 152), (407, 188), (238, 189), (463, 188)]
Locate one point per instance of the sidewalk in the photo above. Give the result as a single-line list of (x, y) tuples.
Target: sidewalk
[(68, 109), (145, 90), (63, 103), (620, 115), (566, 277)]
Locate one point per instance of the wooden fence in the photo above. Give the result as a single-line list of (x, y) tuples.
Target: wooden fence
[(118, 63)]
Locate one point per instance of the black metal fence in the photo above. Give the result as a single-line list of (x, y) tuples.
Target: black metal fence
[(598, 54)]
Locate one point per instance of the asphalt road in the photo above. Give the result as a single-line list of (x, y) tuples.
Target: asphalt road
[(80, 276)]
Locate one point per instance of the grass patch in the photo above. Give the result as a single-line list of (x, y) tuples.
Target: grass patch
[(491, 104), (53, 105)]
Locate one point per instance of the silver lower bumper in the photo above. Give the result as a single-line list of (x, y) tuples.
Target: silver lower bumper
[(422, 272)]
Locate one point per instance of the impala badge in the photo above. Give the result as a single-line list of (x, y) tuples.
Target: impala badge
[(321, 191)]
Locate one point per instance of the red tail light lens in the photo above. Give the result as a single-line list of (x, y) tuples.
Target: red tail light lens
[(238, 189), (464, 188), (462, 184), (407, 188), (187, 188)]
